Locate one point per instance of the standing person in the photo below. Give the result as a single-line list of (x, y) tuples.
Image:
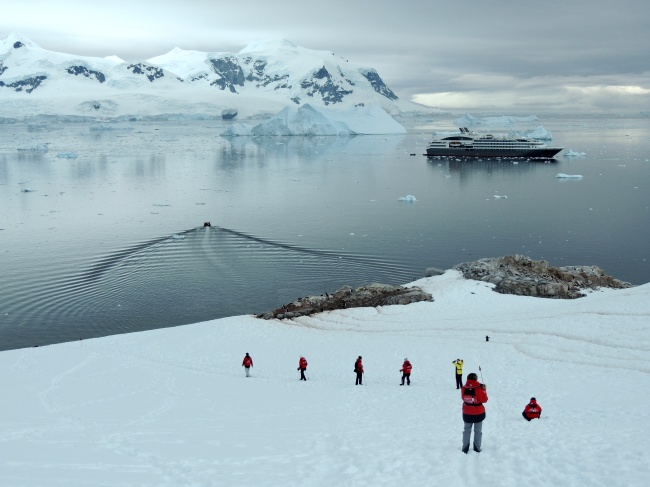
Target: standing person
[(459, 372), (247, 363), (302, 366), (474, 394), (406, 372), (532, 410), (358, 368)]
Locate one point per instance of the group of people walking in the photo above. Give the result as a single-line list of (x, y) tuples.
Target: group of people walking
[(473, 393)]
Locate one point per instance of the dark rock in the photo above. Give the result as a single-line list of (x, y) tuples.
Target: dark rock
[(432, 271), (151, 72), (347, 297), (321, 83), (522, 276), (29, 84), (378, 84), (18, 45), (88, 73), (230, 73), (228, 114)]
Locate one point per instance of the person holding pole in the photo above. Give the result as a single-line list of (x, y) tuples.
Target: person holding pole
[(406, 372), (459, 372), (474, 395)]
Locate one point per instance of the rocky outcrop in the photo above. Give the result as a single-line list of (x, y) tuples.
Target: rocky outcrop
[(378, 84), (88, 73), (347, 297), (151, 72), (522, 276), (27, 84)]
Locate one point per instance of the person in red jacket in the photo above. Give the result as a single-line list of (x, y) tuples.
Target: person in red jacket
[(532, 410), (358, 368), (406, 372), (302, 366), (474, 395), (247, 363)]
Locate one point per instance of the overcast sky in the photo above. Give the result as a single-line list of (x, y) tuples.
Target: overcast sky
[(501, 56)]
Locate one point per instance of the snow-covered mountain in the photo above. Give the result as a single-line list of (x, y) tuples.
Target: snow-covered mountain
[(257, 82)]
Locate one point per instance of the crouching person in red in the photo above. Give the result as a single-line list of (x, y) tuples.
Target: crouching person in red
[(532, 410), (474, 394)]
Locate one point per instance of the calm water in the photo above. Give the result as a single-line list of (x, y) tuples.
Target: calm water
[(112, 241)]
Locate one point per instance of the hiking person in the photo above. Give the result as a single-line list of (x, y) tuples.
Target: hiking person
[(459, 372), (532, 410), (474, 395), (406, 372), (302, 366), (247, 363), (358, 368)]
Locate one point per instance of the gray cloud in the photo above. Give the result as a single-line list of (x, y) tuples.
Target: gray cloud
[(538, 52)]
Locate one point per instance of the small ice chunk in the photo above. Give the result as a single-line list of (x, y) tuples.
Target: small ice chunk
[(561, 175), (409, 198), (572, 153), (67, 155)]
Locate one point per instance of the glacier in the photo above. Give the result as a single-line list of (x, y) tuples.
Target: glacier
[(257, 83)]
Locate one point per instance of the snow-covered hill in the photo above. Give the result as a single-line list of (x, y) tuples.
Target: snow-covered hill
[(259, 81), (172, 407)]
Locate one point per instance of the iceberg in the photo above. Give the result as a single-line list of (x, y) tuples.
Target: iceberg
[(572, 153), (310, 121), (409, 198)]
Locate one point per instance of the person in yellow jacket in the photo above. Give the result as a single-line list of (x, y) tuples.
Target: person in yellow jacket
[(459, 372)]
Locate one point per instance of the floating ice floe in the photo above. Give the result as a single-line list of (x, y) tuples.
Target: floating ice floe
[(178, 237), (572, 153), (500, 197), (408, 198), (67, 155), (561, 175)]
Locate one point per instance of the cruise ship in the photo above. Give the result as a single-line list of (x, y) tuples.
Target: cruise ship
[(471, 144)]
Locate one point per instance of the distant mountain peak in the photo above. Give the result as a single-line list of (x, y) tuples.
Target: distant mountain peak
[(15, 40)]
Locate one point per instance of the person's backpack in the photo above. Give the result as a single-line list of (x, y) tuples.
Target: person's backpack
[(469, 395)]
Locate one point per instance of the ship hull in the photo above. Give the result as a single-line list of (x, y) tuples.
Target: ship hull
[(539, 153)]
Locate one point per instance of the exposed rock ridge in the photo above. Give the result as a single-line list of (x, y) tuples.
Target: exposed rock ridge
[(522, 276), (347, 297)]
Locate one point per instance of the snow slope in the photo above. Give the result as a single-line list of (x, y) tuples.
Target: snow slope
[(257, 82), (171, 407)]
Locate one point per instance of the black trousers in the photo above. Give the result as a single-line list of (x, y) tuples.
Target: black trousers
[(359, 379), (302, 374), (459, 381), (407, 377)]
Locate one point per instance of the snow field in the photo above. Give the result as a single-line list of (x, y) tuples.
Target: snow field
[(173, 407)]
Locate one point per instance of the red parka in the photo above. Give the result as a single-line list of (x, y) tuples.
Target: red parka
[(358, 366), (303, 363), (474, 396), (247, 362), (532, 409), (406, 367)]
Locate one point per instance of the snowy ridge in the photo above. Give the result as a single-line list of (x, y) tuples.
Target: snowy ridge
[(173, 406), (260, 80)]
